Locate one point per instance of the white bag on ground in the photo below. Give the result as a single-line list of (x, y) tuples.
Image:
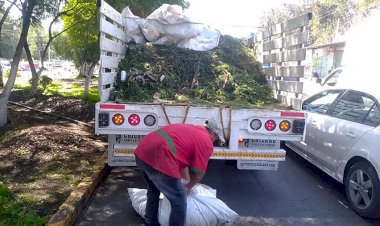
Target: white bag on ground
[(203, 208)]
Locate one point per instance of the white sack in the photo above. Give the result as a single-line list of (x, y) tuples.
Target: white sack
[(132, 24), (203, 208), (207, 39), (169, 14), (169, 25)]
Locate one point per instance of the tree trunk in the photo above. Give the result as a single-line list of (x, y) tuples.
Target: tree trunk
[(1, 69), (27, 9), (1, 77), (88, 72), (82, 70), (2, 21), (35, 75)]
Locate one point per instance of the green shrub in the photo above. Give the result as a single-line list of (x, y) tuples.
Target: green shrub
[(12, 213), (44, 82), (7, 73)]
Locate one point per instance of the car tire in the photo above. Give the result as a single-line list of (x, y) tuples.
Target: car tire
[(362, 183)]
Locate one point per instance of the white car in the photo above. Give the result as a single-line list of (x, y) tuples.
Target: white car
[(343, 139)]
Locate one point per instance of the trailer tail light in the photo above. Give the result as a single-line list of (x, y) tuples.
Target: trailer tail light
[(118, 119), (298, 126), (150, 120), (285, 126), (255, 124), (134, 120), (103, 119), (270, 125)]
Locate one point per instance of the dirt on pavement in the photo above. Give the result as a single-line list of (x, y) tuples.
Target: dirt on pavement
[(43, 158)]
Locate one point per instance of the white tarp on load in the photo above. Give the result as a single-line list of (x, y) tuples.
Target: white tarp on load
[(169, 25), (203, 208)]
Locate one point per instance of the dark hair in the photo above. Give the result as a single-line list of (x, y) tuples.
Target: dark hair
[(208, 129)]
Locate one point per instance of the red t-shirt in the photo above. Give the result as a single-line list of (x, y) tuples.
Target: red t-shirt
[(193, 148)]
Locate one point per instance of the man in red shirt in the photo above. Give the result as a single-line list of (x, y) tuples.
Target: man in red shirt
[(168, 153)]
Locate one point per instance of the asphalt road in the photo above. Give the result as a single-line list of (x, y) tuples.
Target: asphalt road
[(297, 194)]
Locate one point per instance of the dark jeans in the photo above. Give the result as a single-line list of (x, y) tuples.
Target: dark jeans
[(172, 188)]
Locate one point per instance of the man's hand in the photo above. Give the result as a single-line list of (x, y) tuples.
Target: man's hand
[(194, 179), (188, 189), (185, 174)]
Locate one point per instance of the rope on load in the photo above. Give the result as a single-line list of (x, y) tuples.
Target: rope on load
[(166, 115)]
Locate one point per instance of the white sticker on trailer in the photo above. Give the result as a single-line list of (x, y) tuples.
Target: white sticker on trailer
[(261, 143), (122, 161), (244, 164)]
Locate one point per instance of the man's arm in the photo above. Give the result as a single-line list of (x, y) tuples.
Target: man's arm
[(185, 174)]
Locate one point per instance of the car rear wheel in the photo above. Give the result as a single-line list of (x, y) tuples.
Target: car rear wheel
[(363, 190)]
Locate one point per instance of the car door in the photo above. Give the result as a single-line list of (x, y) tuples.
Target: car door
[(342, 126), (316, 107)]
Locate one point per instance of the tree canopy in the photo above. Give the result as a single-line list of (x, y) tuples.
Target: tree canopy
[(83, 38)]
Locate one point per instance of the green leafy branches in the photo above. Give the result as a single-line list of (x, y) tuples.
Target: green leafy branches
[(225, 74), (83, 36)]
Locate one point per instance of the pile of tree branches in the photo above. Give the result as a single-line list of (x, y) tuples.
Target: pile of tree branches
[(229, 75)]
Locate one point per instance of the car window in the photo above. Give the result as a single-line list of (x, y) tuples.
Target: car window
[(357, 107), (373, 117), (321, 102)]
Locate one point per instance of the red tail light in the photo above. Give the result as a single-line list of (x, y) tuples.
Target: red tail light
[(270, 125), (134, 120), (241, 140)]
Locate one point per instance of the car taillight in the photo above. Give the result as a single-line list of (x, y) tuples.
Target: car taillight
[(134, 120), (285, 126), (118, 119), (241, 140), (270, 125), (255, 124), (150, 120)]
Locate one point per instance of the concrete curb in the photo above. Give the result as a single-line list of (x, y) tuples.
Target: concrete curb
[(69, 211)]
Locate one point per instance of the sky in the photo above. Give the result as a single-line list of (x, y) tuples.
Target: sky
[(242, 16)]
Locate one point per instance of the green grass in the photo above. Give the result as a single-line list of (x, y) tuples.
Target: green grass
[(66, 89), (12, 213), (22, 86), (72, 90)]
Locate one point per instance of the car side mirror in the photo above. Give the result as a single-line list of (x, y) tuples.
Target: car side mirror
[(331, 83)]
